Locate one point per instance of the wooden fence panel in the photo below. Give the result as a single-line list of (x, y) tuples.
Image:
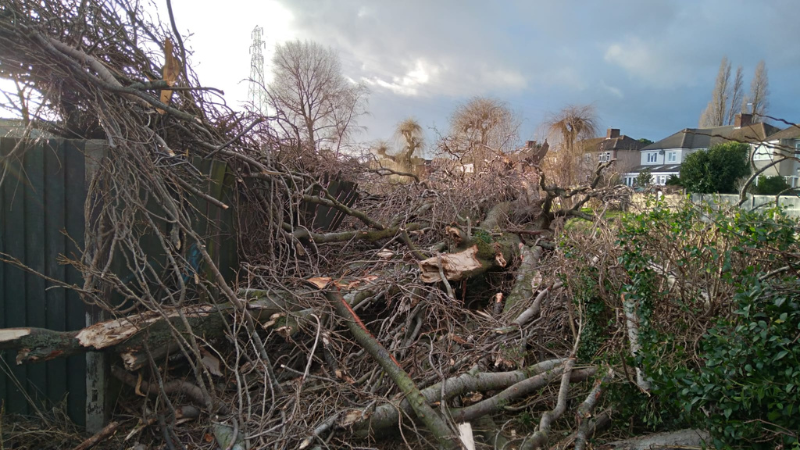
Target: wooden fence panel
[(14, 289), (42, 220), (75, 189), (55, 245), (42, 198)]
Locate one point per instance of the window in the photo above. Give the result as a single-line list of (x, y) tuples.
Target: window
[(662, 180), (763, 152), (652, 157), (605, 156), (672, 156)]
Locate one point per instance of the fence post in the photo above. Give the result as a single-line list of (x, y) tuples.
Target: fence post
[(98, 406)]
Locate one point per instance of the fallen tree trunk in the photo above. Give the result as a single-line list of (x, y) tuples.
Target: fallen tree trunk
[(128, 336), (665, 441), (474, 257)]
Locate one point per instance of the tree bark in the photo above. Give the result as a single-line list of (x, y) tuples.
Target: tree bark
[(668, 440), (128, 335)]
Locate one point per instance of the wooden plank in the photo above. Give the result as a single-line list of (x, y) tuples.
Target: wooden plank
[(55, 245), (3, 313), (75, 195), (14, 289), (36, 312)]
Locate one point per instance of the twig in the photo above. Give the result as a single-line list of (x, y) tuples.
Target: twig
[(236, 138), (99, 437), (179, 39), (200, 193), (333, 203)]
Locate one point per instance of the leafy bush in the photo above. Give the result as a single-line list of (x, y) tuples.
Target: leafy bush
[(645, 178), (750, 383), (770, 185), (715, 170), (674, 180), (719, 324), (742, 381)]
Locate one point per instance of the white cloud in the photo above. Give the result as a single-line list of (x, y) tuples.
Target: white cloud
[(659, 64), (505, 79), (422, 77), (636, 57), (615, 91), (408, 84)]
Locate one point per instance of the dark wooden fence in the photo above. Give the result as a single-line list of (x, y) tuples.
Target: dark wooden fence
[(42, 219), (41, 213)]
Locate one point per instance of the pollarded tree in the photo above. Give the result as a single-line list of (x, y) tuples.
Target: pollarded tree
[(411, 132), (481, 127), (567, 130), (715, 170), (315, 103)]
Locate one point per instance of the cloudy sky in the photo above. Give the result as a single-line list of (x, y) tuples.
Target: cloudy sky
[(648, 67)]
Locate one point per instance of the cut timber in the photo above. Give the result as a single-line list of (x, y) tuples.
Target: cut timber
[(128, 335), (454, 265), (680, 439), (482, 253), (106, 334)]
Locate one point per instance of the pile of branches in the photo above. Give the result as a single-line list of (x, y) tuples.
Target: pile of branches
[(427, 315)]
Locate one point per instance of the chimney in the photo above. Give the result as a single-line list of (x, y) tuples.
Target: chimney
[(743, 120), (612, 133), (531, 144)]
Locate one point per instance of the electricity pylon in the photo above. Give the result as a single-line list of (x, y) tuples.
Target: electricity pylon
[(256, 94)]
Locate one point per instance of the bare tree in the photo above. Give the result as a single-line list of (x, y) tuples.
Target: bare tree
[(714, 114), (566, 131), (759, 91), (316, 104), (411, 132), (481, 127)]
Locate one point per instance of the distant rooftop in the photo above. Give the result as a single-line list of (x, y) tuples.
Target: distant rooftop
[(793, 132), (612, 141), (694, 138)]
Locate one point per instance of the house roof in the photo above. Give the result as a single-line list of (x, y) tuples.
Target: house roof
[(663, 168), (604, 144), (707, 137), (793, 132)]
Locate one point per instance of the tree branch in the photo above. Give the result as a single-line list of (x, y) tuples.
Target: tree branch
[(423, 411)]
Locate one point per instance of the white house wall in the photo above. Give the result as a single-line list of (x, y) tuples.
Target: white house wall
[(664, 159), (767, 152)]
